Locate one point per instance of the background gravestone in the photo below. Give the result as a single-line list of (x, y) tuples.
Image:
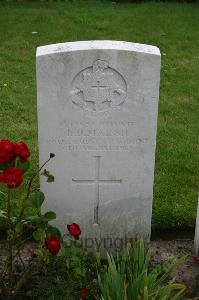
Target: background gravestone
[(97, 111)]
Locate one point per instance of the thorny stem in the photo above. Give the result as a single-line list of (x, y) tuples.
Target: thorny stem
[(30, 185)]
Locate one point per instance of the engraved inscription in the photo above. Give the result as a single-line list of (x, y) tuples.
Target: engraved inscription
[(97, 181), (100, 136), (98, 88)]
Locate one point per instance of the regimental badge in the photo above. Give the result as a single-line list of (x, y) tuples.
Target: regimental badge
[(98, 88)]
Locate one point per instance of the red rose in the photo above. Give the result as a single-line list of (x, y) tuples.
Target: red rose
[(196, 258), (83, 293), (21, 150), (53, 244), (74, 230), (12, 177), (7, 153)]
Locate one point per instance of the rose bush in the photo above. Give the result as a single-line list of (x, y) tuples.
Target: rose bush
[(13, 166)]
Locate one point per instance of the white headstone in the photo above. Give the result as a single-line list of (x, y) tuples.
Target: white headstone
[(97, 111)]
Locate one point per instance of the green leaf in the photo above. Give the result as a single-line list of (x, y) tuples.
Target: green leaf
[(13, 220), (36, 200), (23, 166), (19, 227), (146, 295), (51, 230), (50, 177), (50, 215), (79, 271), (8, 164), (3, 214), (39, 234), (31, 219)]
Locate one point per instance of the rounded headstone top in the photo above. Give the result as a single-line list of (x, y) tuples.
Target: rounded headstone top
[(97, 45)]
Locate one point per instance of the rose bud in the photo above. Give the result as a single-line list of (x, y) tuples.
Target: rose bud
[(7, 151), (21, 150), (74, 230), (12, 177), (53, 244), (83, 293)]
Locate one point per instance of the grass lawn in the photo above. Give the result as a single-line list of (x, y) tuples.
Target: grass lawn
[(172, 27)]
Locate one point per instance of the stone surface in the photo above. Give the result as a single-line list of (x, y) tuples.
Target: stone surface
[(97, 111)]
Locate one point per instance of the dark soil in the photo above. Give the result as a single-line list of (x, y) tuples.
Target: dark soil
[(187, 273)]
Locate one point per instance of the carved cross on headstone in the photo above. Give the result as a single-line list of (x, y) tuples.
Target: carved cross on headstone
[(101, 94), (97, 181), (98, 87)]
